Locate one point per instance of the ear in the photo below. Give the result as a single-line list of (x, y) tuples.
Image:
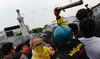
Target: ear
[(73, 32), (81, 33), (12, 50), (89, 16)]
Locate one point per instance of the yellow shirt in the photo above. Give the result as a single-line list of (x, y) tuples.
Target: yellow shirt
[(62, 22), (44, 55)]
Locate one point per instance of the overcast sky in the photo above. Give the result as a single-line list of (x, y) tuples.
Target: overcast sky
[(36, 13)]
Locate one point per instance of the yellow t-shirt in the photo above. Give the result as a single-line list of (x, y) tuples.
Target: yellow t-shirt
[(42, 55)]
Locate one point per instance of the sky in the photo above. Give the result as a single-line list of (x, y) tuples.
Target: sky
[(36, 13)]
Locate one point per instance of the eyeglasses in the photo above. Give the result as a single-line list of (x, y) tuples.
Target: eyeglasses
[(38, 44)]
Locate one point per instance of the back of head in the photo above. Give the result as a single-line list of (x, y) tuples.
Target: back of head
[(81, 14), (62, 35), (87, 27), (6, 48), (73, 27), (47, 37)]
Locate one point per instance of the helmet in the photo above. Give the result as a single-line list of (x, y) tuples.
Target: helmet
[(63, 35)]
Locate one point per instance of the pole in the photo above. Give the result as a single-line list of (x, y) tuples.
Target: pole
[(71, 5)]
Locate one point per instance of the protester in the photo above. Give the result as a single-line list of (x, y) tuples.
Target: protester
[(81, 14), (40, 51), (74, 29), (27, 43), (87, 28), (67, 48), (47, 39), (22, 49), (8, 50)]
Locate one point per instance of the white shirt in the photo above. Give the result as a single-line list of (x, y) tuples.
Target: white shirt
[(92, 47)]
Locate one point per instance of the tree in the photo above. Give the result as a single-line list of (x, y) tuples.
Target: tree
[(35, 30), (45, 26), (18, 34)]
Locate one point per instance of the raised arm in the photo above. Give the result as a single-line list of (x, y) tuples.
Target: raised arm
[(60, 20)]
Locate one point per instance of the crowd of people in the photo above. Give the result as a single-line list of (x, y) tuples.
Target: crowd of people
[(65, 42)]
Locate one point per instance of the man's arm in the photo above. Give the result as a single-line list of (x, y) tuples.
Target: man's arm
[(60, 20), (50, 50)]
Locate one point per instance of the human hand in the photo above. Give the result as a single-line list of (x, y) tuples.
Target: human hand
[(57, 12), (22, 56), (48, 45)]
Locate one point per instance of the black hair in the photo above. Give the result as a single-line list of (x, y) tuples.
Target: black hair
[(7, 47), (27, 43), (81, 14), (73, 27), (87, 27), (19, 47), (47, 37)]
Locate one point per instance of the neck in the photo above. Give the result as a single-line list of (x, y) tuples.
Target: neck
[(9, 55)]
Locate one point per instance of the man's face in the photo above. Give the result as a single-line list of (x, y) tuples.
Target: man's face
[(36, 42), (24, 47)]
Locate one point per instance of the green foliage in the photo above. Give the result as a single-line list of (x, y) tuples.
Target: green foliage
[(45, 26), (35, 30), (39, 30), (30, 31), (19, 34)]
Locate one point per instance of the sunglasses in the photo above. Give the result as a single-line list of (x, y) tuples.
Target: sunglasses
[(38, 44)]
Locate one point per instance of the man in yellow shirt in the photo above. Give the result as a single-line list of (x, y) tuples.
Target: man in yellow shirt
[(40, 51), (67, 48)]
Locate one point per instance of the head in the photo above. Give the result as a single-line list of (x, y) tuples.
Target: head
[(73, 27), (21, 48), (81, 14), (87, 27), (47, 37), (24, 47), (62, 35), (27, 43), (36, 41), (7, 48)]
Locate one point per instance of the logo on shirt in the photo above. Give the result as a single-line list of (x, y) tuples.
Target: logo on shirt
[(75, 50)]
